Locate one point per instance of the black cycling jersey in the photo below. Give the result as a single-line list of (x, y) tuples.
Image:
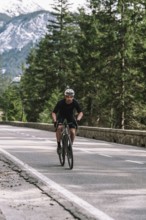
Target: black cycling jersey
[(66, 111)]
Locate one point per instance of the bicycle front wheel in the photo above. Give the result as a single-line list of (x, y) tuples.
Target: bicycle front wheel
[(69, 151), (62, 153)]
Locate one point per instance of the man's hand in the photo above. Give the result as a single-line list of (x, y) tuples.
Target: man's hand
[(55, 124), (77, 122)]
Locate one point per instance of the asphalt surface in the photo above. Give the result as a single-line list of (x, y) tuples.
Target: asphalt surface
[(108, 181)]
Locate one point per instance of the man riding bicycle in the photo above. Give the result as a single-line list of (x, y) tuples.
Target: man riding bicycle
[(65, 109)]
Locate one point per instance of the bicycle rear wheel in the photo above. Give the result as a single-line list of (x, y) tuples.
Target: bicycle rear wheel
[(62, 153), (69, 152)]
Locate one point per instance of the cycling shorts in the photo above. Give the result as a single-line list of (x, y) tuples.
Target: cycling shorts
[(71, 120)]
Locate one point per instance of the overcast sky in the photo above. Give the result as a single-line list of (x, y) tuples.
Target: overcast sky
[(76, 3)]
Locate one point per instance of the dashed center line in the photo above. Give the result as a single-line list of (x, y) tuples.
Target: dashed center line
[(105, 155), (132, 161)]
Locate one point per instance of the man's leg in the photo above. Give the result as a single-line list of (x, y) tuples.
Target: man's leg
[(72, 134), (73, 128), (58, 137)]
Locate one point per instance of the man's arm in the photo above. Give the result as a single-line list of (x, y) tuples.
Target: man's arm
[(80, 115), (54, 117), (54, 112), (79, 111)]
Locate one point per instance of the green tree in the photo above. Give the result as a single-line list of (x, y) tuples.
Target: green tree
[(50, 65), (90, 63), (12, 105), (4, 83), (129, 17), (45, 115), (61, 31), (101, 54), (31, 88), (107, 47)]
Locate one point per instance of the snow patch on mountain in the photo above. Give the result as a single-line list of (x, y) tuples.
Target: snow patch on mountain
[(17, 7), (23, 29)]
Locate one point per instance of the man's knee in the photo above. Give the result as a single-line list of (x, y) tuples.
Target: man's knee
[(59, 128), (73, 131)]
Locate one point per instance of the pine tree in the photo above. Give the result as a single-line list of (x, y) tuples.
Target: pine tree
[(90, 64), (129, 15), (61, 35), (50, 65), (29, 88), (107, 59)]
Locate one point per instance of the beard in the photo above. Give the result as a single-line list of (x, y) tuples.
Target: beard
[(69, 101)]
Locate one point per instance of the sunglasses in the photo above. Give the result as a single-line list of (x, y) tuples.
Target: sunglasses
[(69, 97)]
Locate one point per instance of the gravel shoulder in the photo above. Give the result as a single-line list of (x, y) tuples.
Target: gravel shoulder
[(22, 200)]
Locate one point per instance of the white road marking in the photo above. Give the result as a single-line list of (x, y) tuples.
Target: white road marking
[(105, 155), (137, 162), (6, 138), (91, 151), (77, 143), (70, 196)]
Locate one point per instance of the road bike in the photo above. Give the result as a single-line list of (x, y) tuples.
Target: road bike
[(66, 146)]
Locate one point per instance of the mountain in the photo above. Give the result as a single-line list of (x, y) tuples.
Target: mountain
[(17, 7), (3, 19), (18, 36), (22, 25), (20, 30)]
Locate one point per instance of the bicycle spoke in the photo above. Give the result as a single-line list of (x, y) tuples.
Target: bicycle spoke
[(62, 154), (69, 153), (66, 148)]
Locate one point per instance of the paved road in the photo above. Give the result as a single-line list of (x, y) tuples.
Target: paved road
[(108, 180)]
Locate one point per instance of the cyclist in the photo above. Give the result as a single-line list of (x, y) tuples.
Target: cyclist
[(65, 109)]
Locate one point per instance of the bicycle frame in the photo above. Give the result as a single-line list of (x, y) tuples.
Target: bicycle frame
[(66, 146), (65, 130)]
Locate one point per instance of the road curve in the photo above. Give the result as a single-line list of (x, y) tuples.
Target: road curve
[(108, 181)]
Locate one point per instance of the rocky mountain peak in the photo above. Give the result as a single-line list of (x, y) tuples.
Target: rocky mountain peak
[(17, 7), (22, 25)]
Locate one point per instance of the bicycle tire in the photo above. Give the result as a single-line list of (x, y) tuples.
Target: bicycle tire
[(69, 151), (62, 153)]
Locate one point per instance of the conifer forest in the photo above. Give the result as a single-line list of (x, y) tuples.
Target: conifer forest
[(100, 52)]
